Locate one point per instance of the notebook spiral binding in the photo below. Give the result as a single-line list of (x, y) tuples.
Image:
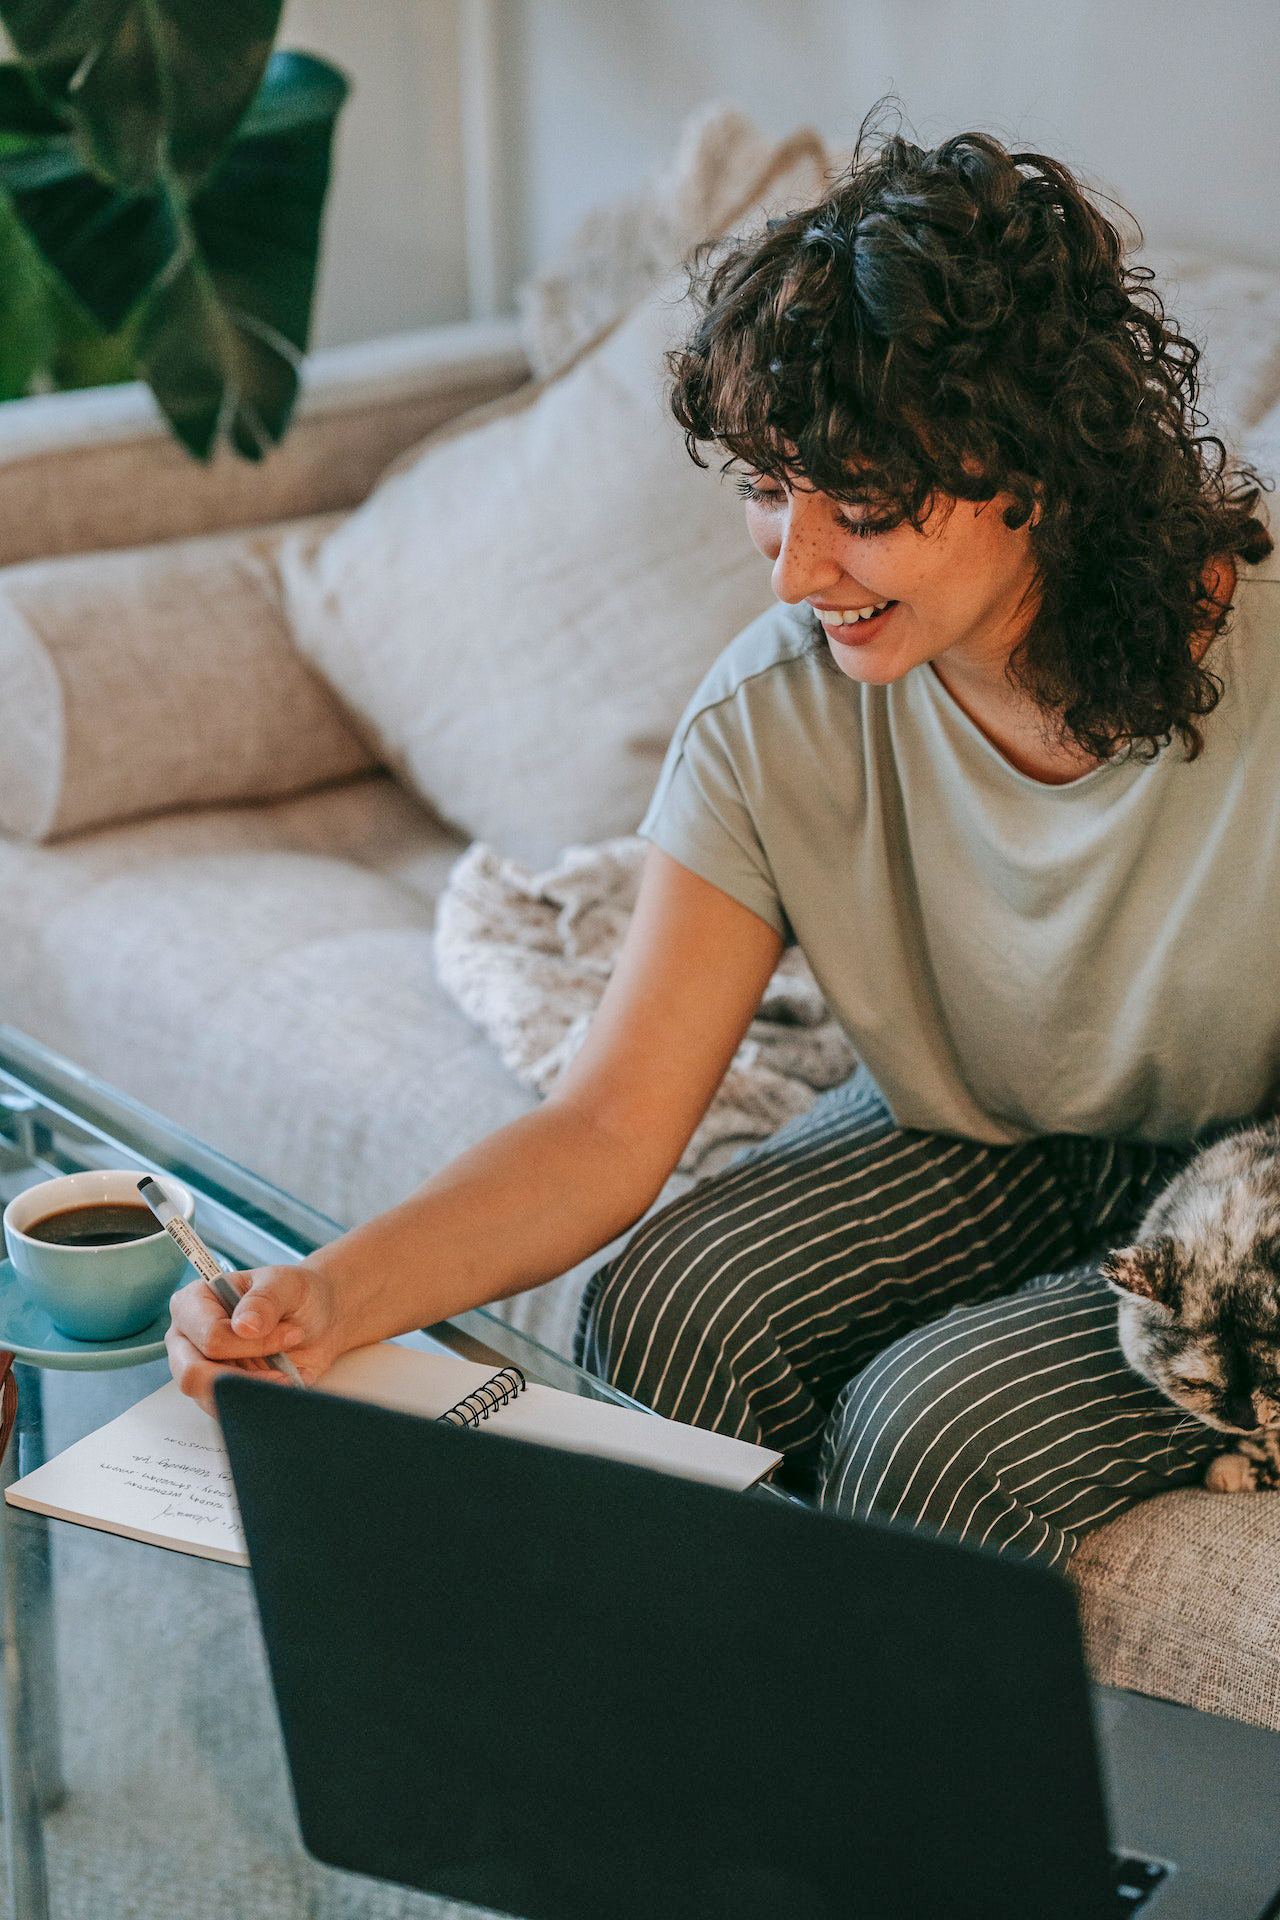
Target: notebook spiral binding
[(497, 1392)]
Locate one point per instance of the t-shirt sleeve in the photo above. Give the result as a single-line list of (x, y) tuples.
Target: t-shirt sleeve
[(700, 817)]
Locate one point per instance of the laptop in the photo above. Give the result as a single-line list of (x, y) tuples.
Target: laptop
[(568, 1689)]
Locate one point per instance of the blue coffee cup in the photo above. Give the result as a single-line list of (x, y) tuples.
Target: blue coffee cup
[(95, 1292)]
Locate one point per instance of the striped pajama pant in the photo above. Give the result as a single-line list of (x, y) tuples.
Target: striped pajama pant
[(917, 1321)]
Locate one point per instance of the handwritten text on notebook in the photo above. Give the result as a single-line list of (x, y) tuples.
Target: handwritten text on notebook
[(159, 1473), (189, 1478)]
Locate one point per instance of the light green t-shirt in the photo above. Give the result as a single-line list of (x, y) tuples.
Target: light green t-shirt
[(1008, 958)]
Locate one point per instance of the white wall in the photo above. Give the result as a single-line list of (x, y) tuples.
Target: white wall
[(1174, 104), (1170, 104), (394, 249)]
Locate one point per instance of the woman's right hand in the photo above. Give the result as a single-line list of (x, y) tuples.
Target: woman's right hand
[(541, 1193), (282, 1310)]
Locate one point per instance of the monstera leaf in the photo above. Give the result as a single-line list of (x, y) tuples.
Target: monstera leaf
[(148, 83), (210, 273), (238, 306), (46, 337)]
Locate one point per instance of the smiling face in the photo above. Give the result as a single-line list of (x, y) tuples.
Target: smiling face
[(961, 588)]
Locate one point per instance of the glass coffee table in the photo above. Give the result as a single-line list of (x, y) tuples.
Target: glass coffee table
[(142, 1768)]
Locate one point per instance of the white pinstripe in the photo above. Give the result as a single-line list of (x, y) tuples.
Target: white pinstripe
[(1039, 1373), (754, 1215), (1142, 1411), (841, 1279), (839, 1208), (960, 1337), (1150, 1408), (618, 1354), (680, 1251), (1072, 1463), (787, 1179), (866, 1323), (1119, 1373), (1023, 1433), (744, 1304)]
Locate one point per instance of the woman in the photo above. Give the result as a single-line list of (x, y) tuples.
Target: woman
[(1003, 762)]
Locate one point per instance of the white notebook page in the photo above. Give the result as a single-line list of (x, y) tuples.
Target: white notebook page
[(159, 1472)]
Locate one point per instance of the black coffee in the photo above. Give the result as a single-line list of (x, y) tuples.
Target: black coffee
[(106, 1223)]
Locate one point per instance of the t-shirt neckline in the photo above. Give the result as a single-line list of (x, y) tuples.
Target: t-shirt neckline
[(951, 713)]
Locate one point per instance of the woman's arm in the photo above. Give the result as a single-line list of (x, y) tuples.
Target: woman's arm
[(546, 1191)]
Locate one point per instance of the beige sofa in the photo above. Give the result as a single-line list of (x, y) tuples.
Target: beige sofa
[(261, 970)]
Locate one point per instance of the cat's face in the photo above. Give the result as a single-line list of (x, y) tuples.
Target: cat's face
[(1200, 1287)]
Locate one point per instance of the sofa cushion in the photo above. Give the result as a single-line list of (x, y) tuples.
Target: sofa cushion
[(1180, 1598), (1232, 312), (161, 677), (519, 616), (265, 976)]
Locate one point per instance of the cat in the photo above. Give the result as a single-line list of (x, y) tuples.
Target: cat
[(1200, 1301)]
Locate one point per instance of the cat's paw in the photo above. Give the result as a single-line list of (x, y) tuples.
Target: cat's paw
[(1231, 1473)]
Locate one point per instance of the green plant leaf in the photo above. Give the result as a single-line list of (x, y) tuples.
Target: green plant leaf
[(223, 336), (149, 84), (27, 327), (46, 338), (83, 355), (211, 290), (212, 372), (24, 111), (109, 247)]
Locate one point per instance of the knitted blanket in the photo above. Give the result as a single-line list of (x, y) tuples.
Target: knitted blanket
[(527, 957)]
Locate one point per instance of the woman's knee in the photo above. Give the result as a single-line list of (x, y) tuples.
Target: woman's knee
[(892, 1428), (932, 1430), (663, 1307), (1016, 1424)]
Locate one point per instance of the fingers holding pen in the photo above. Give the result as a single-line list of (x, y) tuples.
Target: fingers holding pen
[(271, 1303), (205, 1323), (283, 1311), (192, 1371)]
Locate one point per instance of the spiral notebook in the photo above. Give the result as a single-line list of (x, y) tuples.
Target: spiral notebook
[(159, 1472)]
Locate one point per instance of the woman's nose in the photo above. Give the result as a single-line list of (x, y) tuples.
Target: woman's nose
[(807, 563)]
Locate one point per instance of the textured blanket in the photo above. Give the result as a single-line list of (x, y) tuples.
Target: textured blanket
[(527, 957)]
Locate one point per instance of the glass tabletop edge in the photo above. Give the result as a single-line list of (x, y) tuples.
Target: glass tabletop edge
[(230, 1198)]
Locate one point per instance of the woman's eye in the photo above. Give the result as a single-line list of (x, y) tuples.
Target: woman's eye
[(756, 490), (865, 529)]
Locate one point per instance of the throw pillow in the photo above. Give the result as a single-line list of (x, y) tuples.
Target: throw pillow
[(519, 616), (1232, 313), (722, 165), (138, 681)]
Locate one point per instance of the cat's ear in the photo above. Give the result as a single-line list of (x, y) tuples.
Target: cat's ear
[(1149, 1271)]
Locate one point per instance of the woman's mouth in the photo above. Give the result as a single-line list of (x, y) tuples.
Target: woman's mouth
[(853, 626)]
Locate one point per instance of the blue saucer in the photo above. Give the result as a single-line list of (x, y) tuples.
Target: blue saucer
[(30, 1334)]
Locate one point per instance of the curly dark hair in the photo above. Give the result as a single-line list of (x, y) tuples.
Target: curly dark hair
[(963, 321)]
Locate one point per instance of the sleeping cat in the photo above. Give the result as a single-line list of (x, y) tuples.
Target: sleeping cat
[(1200, 1301)]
